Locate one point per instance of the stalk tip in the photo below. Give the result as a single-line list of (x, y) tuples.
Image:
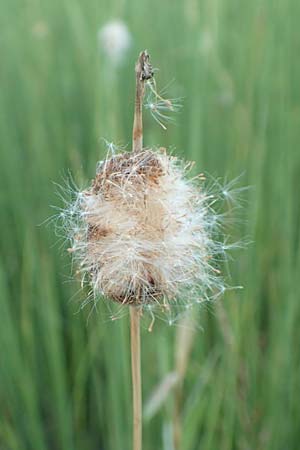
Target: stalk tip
[(143, 68)]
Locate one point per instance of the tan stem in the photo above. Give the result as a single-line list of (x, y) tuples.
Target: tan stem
[(136, 376), (143, 72), (137, 133)]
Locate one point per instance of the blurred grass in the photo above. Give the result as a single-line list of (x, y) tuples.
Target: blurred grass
[(65, 384)]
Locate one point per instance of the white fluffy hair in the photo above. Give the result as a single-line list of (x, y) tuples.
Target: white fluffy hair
[(144, 233)]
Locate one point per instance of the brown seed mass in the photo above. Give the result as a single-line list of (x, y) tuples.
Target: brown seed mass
[(141, 168), (137, 171), (96, 233)]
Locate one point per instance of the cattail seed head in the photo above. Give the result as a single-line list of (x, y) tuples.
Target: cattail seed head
[(142, 232)]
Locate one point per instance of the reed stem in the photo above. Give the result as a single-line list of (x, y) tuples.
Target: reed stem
[(136, 376), (143, 72)]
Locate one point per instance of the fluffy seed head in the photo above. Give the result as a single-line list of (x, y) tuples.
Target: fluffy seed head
[(143, 233)]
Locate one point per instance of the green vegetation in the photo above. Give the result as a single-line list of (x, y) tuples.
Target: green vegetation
[(65, 383)]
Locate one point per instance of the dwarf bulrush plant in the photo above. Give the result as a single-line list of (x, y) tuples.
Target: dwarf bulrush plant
[(145, 234)]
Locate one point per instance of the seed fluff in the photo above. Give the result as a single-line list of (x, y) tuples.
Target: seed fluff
[(144, 232)]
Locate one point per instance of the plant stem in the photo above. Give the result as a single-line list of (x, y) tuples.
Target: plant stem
[(136, 376), (143, 72)]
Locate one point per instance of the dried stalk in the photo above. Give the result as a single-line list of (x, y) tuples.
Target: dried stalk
[(136, 376), (143, 72)]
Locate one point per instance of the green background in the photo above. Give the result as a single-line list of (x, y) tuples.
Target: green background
[(65, 382)]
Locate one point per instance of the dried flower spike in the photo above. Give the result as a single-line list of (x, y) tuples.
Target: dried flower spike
[(142, 233)]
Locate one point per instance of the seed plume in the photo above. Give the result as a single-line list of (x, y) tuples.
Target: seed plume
[(144, 232)]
